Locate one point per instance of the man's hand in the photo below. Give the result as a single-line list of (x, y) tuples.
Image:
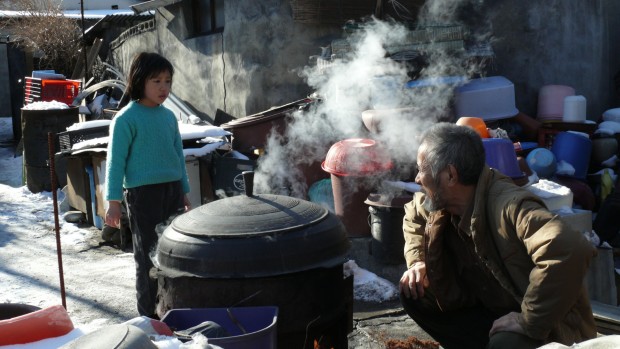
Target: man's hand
[(509, 322), (414, 281), (113, 214)]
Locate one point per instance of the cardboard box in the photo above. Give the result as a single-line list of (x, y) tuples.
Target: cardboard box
[(77, 192)]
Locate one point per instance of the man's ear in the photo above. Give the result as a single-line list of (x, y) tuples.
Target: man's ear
[(453, 175)]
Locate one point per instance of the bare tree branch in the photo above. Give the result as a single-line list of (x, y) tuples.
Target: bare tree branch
[(43, 28)]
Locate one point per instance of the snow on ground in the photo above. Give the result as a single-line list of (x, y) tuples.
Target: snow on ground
[(98, 278)]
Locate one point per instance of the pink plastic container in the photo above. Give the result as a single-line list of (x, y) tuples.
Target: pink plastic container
[(551, 101), (355, 165), (356, 157)]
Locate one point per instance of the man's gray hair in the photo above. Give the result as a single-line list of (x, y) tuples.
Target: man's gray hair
[(460, 146)]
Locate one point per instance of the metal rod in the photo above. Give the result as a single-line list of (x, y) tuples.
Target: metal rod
[(236, 321), (52, 146), (233, 318), (248, 182), (84, 42)]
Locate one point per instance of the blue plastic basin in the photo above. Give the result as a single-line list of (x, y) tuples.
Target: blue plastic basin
[(260, 324), (500, 154)]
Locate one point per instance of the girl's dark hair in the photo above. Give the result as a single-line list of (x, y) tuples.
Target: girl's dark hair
[(144, 66)]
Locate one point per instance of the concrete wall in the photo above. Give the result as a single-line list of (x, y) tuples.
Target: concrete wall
[(573, 43), (248, 68), (252, 65)]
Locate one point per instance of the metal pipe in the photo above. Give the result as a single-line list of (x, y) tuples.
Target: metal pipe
[(52, 146), (84, 43), (248, 182)]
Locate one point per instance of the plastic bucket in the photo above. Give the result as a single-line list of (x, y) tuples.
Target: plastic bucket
[(386, 227), (542, 161), (490, 98), (250, 327), (320, 192), (354, 164), (574, 148), (500, 154), (356, 157), (551, 101), (477, 124)]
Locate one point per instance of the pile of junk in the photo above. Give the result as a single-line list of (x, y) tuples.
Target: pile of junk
[(298, 181)]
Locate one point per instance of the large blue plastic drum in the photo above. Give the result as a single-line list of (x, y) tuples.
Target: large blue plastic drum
[(574, 148)]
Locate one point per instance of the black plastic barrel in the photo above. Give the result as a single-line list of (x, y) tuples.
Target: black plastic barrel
[(36, 124)]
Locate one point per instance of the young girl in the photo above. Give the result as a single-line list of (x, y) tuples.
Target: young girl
[(146, 166)]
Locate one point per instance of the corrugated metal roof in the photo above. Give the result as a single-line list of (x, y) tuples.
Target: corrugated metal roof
[(118, 19), (93, 14), (88, 14), (152, 5), (98, 4)]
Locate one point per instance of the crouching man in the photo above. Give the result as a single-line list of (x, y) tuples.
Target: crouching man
[(488, 264)]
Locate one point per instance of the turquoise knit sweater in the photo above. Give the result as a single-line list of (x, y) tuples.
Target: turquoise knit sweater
[(145, 148)]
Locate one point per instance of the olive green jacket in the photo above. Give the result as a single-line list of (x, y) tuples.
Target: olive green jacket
[(537, 258)]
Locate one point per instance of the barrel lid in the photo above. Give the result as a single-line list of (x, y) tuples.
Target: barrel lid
[(251, 236), (249, 216)]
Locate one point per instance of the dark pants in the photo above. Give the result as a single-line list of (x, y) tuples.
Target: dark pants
[(148, 206), (463, 328)]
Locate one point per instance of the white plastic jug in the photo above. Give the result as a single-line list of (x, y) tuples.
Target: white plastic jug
[(574, 109)]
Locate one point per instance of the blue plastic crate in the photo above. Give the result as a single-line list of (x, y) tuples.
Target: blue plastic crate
[(260, 324)]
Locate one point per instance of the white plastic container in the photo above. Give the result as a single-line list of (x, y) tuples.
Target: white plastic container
[(490, 98), (574, 109), (554, 195)]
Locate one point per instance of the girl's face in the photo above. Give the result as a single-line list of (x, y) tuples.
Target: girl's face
[(156, 89)]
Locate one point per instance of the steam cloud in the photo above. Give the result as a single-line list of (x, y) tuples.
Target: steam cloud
[(367, 78)]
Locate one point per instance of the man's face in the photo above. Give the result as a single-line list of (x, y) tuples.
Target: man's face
[(434, 200)]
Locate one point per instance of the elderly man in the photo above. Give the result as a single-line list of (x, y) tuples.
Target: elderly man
[(488, 264)]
